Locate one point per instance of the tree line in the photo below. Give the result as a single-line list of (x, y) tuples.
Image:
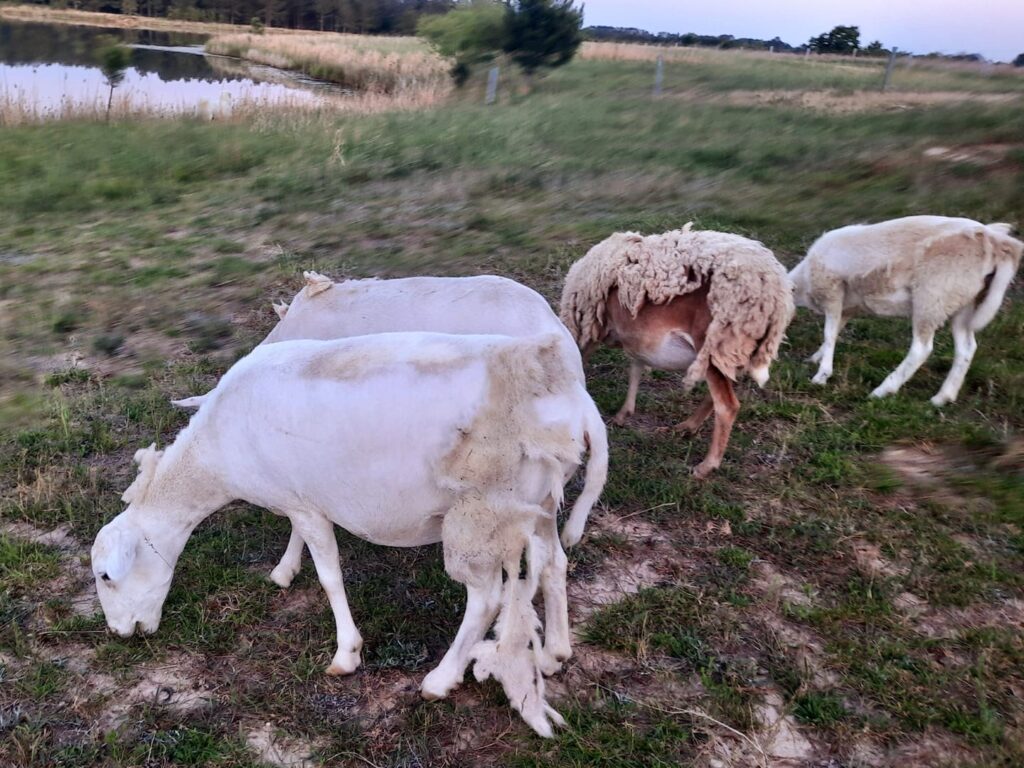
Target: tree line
[(384, 17)]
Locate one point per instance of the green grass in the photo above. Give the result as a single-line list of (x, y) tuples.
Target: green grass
[(171, 238)]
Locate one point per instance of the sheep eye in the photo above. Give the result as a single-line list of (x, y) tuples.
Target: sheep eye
[(105, 576)]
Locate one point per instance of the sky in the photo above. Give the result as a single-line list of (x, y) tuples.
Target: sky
[(993, 28)]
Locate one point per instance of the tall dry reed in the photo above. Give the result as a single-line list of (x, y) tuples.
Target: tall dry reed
[(393, 66)]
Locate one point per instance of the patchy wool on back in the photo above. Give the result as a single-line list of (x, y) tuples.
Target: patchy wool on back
[(750, 295)]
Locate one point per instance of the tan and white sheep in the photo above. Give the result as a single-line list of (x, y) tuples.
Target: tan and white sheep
[(928, 268), (712, 304)]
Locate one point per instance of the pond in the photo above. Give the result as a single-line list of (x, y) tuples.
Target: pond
[(51, 70)]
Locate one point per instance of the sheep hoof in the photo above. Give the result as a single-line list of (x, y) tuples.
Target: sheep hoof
[(435, 686), (940, 400), (570, 536), (881, 391), (283, 576), (620, 418), (820, 378), (702, 470), (344, 663)]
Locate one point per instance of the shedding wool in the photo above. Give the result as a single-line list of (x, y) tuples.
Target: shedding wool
[(750, 295)]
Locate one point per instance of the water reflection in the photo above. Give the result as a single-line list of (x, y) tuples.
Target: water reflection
[(50, 70)]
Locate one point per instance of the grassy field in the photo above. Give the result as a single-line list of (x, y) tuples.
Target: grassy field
[(846, 591)]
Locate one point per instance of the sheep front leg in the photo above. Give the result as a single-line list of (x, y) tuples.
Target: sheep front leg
[(966, 345), (482, 602), (920, 348), (726, 406), (636, 370), (291, 562), (826, 354), (318, 533)]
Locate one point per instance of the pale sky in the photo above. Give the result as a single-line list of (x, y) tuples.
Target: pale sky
[(994, 28)]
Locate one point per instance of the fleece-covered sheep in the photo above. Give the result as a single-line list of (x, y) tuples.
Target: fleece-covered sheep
[(712, 304), (403, 439), (324, 309), (928, 268)]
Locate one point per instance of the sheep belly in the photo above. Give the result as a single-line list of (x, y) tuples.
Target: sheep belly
[(672, 351), (890, 304)]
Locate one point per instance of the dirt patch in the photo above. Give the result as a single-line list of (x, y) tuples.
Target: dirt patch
[(804, 648), (75, 581), (274, 747), (924, 465), (780, 736), (172, 684), (976, 154), (870, 562), (950, 622), (778, 588), (909, 604)]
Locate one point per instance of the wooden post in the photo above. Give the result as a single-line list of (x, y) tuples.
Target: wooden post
[(492, 86), (659, 75), (888, 70)]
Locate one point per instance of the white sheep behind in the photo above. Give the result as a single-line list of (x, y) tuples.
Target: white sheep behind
[(928, 268), (485, 304)]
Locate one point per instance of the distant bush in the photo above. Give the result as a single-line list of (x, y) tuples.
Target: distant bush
[(1019, 61)]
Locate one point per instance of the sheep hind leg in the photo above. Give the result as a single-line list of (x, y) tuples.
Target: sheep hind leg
[(697, 418), (291, 562), (557, 643), (920, 348), (482, 602), (966, 345), (318, 533), (826, 354), (726, 406), (636, 370)]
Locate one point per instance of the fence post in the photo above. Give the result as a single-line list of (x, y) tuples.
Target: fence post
[(659, 75), (492, 86), (888, 69)]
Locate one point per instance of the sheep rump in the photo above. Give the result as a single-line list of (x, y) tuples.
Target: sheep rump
[(750, 297)]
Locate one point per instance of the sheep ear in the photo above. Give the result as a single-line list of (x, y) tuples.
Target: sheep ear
[(114, 552), (147, 459), (316, 283), (281, 308)]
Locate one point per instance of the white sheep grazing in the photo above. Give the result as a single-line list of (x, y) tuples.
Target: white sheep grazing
[(403, 439), (712, 304), (928, 268), (324, 309)]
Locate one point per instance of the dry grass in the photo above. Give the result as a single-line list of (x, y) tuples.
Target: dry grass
[(369, 64), (48, 15), (16, 111)]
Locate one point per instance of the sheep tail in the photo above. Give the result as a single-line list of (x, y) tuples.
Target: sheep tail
[(596, 475), (993, 295)]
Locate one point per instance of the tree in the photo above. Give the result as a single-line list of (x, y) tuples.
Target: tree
[(471, 34), (114, 59), (1019, 61), (542, 33), (839, 40), (875, 48)]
